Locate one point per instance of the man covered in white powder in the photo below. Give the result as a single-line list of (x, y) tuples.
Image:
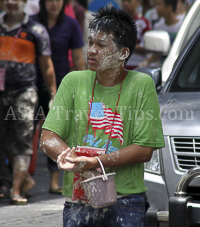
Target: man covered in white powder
[(106, 108)]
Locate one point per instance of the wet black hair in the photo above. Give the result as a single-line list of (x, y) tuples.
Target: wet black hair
[(43, 13), (173, 3), (110, 19)]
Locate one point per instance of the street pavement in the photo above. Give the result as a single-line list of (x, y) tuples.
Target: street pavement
[(43, 209)]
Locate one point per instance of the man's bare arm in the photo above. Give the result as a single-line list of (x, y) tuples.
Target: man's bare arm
[(52, 144), (129, 155), (78, 59)]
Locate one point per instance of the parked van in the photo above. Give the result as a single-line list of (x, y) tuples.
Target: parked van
[(180, 114)]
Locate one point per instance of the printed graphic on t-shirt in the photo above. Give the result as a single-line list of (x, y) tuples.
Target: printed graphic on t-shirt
[(103, 118)]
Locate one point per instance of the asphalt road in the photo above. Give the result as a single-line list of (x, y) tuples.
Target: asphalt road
[(43, 209)]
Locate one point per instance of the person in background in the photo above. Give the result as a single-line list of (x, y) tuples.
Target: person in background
[(171, 24), (22, 41), (181, 9), (65, 34), (189, 4), (143, 25), (92, 109), (32, 7), (151, 15), (79, 13), (76, 11), (69, 10), (146, 5), (1, 7), (87, 18)]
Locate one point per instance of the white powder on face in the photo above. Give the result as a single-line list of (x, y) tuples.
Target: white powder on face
[(110, 61), (109, 57), (92, 49)]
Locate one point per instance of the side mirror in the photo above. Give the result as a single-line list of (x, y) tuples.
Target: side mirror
[(157, 41), (155, 74)]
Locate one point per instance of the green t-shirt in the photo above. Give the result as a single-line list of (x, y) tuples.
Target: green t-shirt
[(138, 121)]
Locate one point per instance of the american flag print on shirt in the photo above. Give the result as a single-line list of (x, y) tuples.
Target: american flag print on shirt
[(103, 118)]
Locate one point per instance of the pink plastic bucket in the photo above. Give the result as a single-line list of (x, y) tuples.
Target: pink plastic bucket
[(101, 190)]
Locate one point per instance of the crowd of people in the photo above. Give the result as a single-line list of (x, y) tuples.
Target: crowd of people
[(97, 51), (34, 59)]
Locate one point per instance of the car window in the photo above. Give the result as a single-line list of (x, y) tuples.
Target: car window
[(194, 23), (188, 77)]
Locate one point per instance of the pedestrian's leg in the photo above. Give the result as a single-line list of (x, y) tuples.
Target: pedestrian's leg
[(20, 170), (54, 185), (28, 184), (54, 177)]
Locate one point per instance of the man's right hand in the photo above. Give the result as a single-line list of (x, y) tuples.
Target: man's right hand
[(62, 161)]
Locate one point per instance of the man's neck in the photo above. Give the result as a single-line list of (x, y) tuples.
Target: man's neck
[(52, 20), (180, 9), (171, 20), (11, 20), (111, 77)]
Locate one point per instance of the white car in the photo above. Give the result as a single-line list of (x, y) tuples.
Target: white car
[(186, 30)]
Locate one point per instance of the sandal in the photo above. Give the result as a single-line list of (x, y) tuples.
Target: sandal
[(55, 191), (18, 200)]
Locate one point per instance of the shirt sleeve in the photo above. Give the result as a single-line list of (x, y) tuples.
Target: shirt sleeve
[(147, 130), (43, 47), (58, 118)]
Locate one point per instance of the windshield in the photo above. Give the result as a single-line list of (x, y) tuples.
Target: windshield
[(188, 77)]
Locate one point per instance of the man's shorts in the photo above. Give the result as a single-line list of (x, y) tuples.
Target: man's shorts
[(17, 121)]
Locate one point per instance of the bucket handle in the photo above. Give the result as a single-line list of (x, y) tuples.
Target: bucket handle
[(104, 177)]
